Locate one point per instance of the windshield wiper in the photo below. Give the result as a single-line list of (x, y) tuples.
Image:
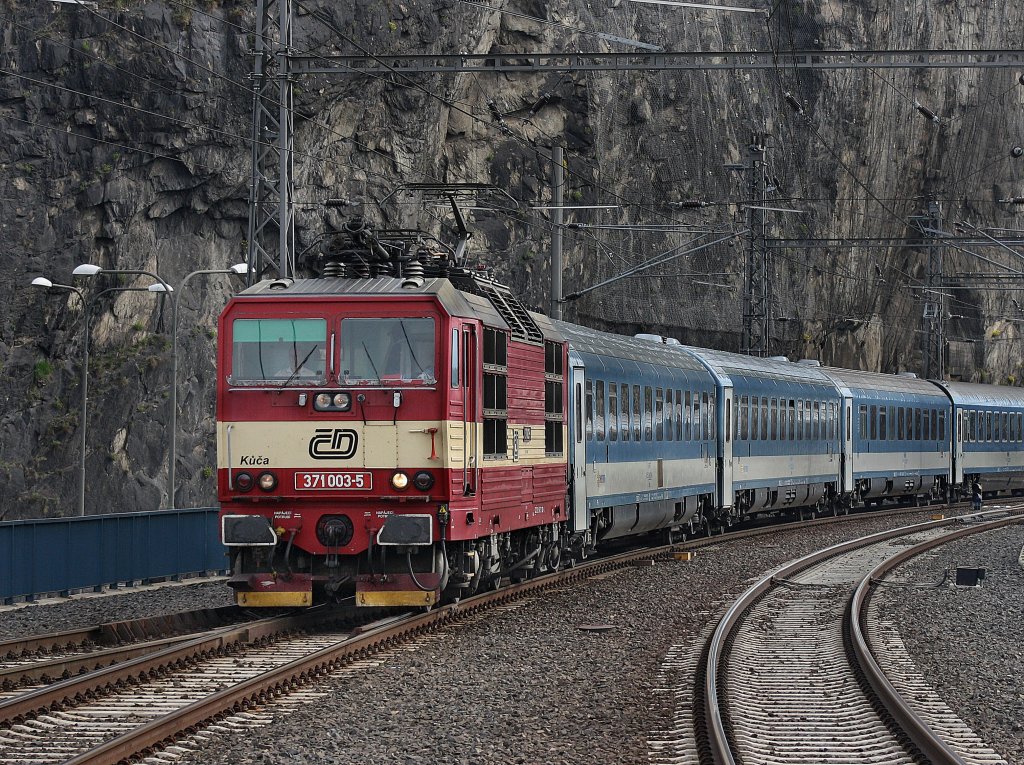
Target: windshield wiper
[(298, 367), (370, 359)]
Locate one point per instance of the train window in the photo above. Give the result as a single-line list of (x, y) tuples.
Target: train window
[(679, 415), (882, 423), (755, 419), (728, 418), (988, 426), (456, 380), (816, 420), (972, 426), (942, 424), (659, 414), (935, 425), (705, 416), (863, 410), (688, 415), (917, 424), (712, 428), (791, 420), (696, 416), (495, 437), (636, 412), (900, 430), (282, 351), (648, 411), (799, 420), (495, 347), (599, 410), (774, 407), (997, 426), (613, 412), (1006, 431), (553, 358), (1011, 431), (873, 420), (386, 351), (669, 415), (590, 409), (742, 416), (764, 418), (625, 424)]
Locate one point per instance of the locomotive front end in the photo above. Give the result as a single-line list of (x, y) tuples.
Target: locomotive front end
[(334, 435)]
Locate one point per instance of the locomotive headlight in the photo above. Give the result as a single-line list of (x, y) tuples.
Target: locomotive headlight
[(338, 401), (243, 481), (268, 481), (399, 480), (423, 480)]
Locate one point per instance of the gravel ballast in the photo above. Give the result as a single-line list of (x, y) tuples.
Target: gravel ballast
[(966, 641), (87, 610)]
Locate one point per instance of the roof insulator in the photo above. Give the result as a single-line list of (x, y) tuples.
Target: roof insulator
[(928, 113), (690, 203), (793, 102)]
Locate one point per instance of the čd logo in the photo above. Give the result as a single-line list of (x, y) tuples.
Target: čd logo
[(333, 444)]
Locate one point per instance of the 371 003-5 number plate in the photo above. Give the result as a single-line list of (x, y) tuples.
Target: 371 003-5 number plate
[(321, 480)]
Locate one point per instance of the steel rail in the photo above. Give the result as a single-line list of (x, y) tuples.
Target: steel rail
[(718, 741), (919, 732), (111, 633), (44, 699)]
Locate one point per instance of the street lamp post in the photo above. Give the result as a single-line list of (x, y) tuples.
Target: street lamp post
[(238, 268), (161, 286), (87, 306)]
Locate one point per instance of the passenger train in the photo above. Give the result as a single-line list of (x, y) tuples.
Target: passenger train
[(402, 430)]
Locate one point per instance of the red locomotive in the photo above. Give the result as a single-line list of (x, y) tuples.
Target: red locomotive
[(393, 430)]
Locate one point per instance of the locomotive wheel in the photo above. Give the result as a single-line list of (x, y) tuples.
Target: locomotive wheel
[(554, 560)]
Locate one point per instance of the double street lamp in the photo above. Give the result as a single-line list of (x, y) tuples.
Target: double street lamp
[(87, 307)]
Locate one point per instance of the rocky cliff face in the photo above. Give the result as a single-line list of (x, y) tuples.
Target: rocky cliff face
[(127, 129)]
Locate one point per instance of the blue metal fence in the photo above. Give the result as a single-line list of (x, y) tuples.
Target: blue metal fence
[(58, 555)]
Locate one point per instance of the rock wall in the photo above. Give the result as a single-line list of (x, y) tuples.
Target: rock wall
[(127, 128)]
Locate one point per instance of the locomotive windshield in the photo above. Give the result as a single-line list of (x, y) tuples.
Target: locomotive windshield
[(375, 351), (279, 351)]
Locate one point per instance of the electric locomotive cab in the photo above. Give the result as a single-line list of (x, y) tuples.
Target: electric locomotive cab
[(331, 424)]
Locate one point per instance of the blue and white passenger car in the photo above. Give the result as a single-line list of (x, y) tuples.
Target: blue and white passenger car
[(643, 417), (897, 441), (989, 438)]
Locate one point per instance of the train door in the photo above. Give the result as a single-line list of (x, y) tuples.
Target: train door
[(847, 443), (470, 417), (578, 454), (958, 445), (725, 430)]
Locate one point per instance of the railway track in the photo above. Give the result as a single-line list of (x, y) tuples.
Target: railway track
[(145, 703), (43, 659), (790, 674)]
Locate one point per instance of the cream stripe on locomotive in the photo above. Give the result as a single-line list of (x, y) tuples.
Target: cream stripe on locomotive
[(322, 444), (605, 478), (783, 467)]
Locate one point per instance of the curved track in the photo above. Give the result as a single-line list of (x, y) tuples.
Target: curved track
[(789, 676)]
